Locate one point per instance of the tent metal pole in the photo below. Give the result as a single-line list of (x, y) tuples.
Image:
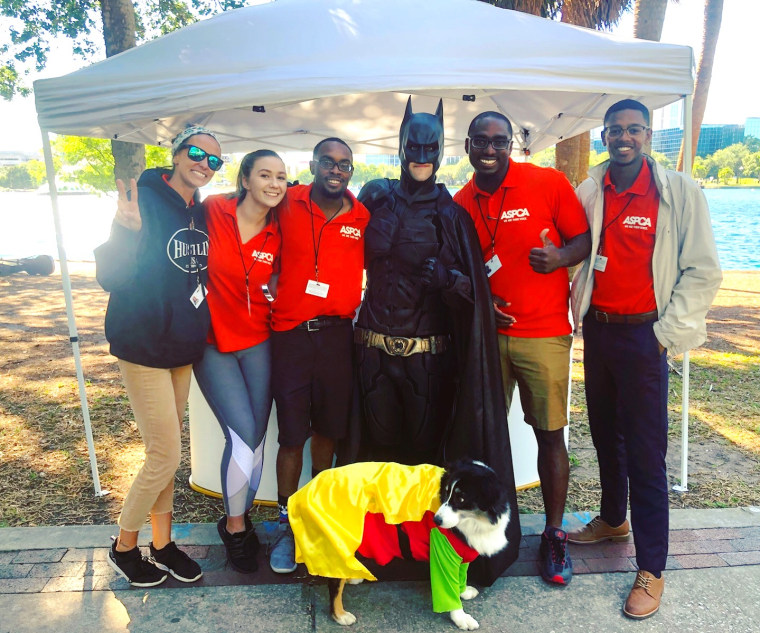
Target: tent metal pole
[(73, 335), (687, 149)]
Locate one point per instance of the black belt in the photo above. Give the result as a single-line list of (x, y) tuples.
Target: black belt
[(629, 319), (401, 345), (317, 323)]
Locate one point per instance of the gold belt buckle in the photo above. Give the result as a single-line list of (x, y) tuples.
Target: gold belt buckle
[(398, 345)]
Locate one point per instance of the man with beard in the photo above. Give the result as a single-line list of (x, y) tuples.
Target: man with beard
[(643, 292), (426, 339), (318, 291)]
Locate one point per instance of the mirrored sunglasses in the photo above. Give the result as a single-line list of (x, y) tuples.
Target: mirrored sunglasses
[(497, 142), (616, 131), (328, 163), (197, 154)]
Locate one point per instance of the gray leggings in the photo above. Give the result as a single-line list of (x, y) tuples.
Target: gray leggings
[(236, 386)]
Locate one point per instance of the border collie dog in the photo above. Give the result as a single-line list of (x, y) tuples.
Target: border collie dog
[(383, 510)]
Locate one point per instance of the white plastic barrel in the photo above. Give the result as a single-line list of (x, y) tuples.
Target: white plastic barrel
[(207, 444)]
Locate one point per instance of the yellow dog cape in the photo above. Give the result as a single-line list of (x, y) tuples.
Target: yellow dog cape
[(327, 514)]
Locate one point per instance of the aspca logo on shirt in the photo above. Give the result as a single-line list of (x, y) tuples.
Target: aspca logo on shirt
[(261, 256), (188, 250), (514, 215), (637, 222), (351, 231)]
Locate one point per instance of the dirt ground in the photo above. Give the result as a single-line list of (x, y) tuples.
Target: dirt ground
[(45, 474)]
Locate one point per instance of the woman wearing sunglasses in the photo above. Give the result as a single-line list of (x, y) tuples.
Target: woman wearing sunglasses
[(234, 374), (154, 266)]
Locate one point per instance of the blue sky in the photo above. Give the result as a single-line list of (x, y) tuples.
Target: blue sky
[(734, 90)]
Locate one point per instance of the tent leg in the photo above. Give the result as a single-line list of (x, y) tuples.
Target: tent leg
[(73, 335), (684, 485)]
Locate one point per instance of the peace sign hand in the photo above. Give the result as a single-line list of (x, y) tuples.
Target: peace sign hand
[(127, 210)]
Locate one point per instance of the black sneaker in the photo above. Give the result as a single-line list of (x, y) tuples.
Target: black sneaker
[(135, 567), (241, 547), (172, 559), (556, 566)]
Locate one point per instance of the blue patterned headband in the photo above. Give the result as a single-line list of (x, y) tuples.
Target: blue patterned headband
[(187, 133)]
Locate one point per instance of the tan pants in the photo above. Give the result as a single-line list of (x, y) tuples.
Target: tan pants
[(158, 398), (541, 369)]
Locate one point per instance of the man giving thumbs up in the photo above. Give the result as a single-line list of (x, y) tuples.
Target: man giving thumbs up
[(531, 228)]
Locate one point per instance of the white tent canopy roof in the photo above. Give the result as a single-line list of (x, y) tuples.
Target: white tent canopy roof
[(288, 73)]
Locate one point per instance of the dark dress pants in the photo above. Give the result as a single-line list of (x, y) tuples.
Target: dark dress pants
[(627, 396)]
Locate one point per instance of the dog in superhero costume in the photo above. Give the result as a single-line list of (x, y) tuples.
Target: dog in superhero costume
[(382, 510), (429, 368)]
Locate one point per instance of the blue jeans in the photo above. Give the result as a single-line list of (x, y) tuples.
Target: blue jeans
[(237, 387), (627, 397)]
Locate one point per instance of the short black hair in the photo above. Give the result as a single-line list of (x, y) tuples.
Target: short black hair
[(331, 139), (627, 104), (489, 115)]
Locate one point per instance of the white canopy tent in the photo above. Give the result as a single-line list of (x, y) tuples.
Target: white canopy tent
[(287, 73)]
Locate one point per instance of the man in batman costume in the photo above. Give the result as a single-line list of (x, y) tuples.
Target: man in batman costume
[(428, 358)]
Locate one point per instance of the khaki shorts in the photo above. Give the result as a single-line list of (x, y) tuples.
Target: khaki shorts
[(541, 369)]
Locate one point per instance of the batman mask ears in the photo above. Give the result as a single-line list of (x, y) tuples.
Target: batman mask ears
[(421, 137)]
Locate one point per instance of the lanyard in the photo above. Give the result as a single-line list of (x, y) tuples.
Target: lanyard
[(317, 241), (485, 223), (194, 263), (247, 271), (611, 222)]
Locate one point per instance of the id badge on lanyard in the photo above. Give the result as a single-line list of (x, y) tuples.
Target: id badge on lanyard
[(492, 265), (317, 288), (600, 263), (198, 296)]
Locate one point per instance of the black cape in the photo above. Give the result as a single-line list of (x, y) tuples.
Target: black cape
[(478, 425)]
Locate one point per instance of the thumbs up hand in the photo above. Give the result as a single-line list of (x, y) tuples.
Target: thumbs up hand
[(547, 258)]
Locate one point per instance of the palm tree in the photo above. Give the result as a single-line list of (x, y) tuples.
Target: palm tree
[(648, 20), (572, 154), (713, 17), (543, 8)]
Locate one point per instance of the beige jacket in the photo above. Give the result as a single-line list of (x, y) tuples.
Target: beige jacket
[(685, 263)]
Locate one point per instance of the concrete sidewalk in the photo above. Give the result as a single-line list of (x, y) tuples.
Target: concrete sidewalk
[(56, 579)]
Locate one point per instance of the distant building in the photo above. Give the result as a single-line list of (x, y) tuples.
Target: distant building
[(667, 126), (16, 158), (382, 159), (752, 127)]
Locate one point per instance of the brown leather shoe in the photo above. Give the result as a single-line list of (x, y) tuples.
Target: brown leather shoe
[(598, 530), (644, 599)]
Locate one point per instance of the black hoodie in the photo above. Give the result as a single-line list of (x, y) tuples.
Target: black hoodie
[(151, 275)]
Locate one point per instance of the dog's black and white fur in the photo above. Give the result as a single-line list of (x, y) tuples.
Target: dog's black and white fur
[(474, 505)]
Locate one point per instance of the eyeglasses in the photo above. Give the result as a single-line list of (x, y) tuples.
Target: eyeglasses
[(497, 142), (328, 163), (616, 131), (197, 154)]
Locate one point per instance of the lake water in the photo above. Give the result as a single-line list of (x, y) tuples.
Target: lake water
[(27, 225)]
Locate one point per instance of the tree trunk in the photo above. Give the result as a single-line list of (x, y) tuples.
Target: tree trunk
[(713, 17), (119, 35), (567, 158), (584, 149), (648, 20), (523, 6)]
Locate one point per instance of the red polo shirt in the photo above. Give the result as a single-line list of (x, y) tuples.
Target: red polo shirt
[(232, 327), (630, 218), (315, 249), (509, 222)]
